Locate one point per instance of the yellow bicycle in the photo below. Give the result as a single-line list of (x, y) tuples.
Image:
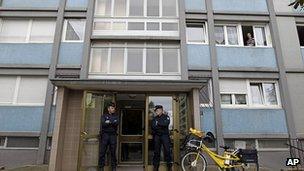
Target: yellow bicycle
[(194, 159)]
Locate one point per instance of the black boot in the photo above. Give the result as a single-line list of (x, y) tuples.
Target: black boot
[(113, 168), (155, 168), (100, 168), (169, 168)]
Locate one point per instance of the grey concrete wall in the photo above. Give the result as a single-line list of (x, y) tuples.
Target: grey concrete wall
[(296, 90), (290, 43), (11, 158), (275, 160)]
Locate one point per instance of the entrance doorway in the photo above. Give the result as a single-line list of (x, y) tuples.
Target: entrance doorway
[(135, 146)]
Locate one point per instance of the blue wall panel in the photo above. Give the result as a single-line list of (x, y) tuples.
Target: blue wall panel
[(76, 4), (25, 53), (20, 119), (198, 56), (30, 3), (207, 120), (240, 5), (70, 53), (195, 5), (254, 121), (246, 57)]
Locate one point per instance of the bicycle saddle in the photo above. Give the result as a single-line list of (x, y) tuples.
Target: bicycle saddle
[(225, 147)]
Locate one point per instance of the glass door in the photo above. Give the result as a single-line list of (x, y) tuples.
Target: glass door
[(94, 105), (131, 137), (170, 106)]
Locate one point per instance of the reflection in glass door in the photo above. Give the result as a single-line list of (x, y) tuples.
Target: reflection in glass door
[(169, 106), (93, 107)]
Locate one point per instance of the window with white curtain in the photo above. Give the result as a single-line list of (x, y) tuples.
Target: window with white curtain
[(23, 90), (260, 36), (74, 30), (135, 58), (14, 31), (242, 35), (219, 35), (27, 30), (196, 34), (248, 93), (42, 31), (226, 35)]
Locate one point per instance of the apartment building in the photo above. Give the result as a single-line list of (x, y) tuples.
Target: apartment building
[(232, 67)]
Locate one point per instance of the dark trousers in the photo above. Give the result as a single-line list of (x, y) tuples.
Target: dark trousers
[(106, 140), (162, 140)]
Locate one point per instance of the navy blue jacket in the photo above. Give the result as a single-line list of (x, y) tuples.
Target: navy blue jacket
[(160, 125), (112, 125)]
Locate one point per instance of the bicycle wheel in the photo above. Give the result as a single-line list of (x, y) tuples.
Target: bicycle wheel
[(190, 164)]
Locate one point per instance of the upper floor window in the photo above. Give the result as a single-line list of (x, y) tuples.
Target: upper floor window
[(249, 93), (238, 35), (22, 90), (300, 29), (27, 31), (196, 34), (73, 30), (136, 8), (135, 59)]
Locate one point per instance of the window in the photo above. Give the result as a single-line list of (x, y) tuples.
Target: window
[(22, 142), (14, 31), (219, 35), (2, 142), (169, 26), (153, 8), (23, 90), (136, 26), (205, 96), (152, 61), (102, 26), (263, 94), (103, 7), (241, 143), (196, 34), (226, 35), (42, 31), (117, 60), (135, 58), (152, 26), (74, 30), (170, 57), (254, 36), (100, 56), (25, 31), (301, 34), (119, 26), (248, 93), (136, 8), (233, 99), (169, 8), (120, 8), (272, 143)]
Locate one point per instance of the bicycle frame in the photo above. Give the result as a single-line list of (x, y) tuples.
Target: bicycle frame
[(224, 162)]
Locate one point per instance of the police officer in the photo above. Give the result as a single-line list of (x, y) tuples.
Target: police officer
[(160, 132), (108, 135)]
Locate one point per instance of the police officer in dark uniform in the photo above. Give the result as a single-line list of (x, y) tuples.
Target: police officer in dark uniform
[(108, 136), (160, 132)]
